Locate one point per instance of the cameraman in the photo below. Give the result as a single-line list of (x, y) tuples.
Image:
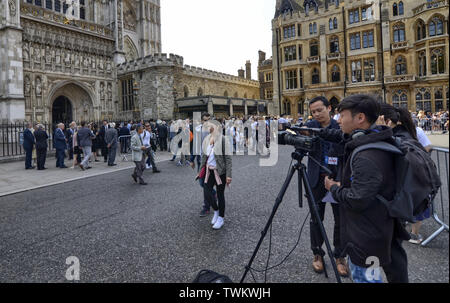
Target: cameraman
[(369, 234), (330, 156)]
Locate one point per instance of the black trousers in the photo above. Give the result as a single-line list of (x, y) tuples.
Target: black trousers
[(41, 155), (163, 144), (317, 240), (397, 271), (209, 196), (28, 157)]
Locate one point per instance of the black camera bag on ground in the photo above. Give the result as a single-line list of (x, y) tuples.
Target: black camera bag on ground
[(209, 276)]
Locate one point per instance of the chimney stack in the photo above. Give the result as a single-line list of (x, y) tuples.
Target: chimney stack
[(262, 57), (241, 73), (248, 70)]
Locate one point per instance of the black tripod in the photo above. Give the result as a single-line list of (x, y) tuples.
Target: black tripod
[(298, 155)]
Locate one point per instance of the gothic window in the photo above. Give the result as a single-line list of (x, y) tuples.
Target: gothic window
[(82, 10), (335, 23), (366, 13), (368, 39), (394, 10), (310, 29), (369, 69), (335, 74), (400, 8), (421, 30), (315, 78), (290, 53), (355, 41), (300, 52), (291, 79), (287, 107), (400, 99), (289, 31), (436, 27), (438, 100), (336, 2), (400, 65), (422, 64), (300, 77), (314, 48), (127, 94), (315, 28), (437, 61), (423, 100), (186, 92), (356, 71), (334, 44), (48, 4), (330, 22), (399, 32), (29, 1), (353, 16), (38, 2)]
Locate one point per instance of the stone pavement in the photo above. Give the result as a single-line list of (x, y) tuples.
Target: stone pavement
[(439, 140), (14, 178)]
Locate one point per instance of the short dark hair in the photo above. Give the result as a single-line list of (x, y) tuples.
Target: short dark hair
[(83, 123), (205, 115), (319, 98), (362, 103)]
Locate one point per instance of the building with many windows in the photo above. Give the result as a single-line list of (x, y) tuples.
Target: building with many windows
[(396, 49)]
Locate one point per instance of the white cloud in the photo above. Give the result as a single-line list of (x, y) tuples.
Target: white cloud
[(219, 35)]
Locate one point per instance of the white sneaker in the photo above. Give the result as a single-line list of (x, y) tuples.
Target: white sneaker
[(147, 166), (219, 223), (216, 215)]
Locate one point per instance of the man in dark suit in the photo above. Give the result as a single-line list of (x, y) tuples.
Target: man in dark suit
[(69, 135), (101, 139), (111, 143), (60, 144), (41, 146), (163, 133), (125, 141), (28, 143)]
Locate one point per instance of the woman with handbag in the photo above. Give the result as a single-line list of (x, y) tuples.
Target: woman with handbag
[(216, 169)]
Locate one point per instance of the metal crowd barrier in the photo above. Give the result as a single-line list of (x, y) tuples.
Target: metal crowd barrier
[(440, 205), (434, 126), (127, 143)]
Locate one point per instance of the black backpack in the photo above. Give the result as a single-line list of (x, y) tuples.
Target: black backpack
[(209, 276), (417, 179)]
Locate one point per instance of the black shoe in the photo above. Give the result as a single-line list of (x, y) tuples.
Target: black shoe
[(32, 167), (155, 171), (112, 164), (105, 161), (89, 167), (204, 213), (63, 166), (134, 178), (143, 183), (97, 161), (172, 160)]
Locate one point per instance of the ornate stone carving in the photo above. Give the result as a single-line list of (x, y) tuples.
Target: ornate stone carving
[(48, 55), (12, 8), (38, 86), (102, 90), (27, 86), (109, 91), (58, 56), (25, 52)]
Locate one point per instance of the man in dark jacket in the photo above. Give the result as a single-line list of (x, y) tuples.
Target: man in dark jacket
[(60, 144), (41, 146), (124, 131), (330, 156), (28, 143), (111, 143), (369, 235), (162, 135), (101, 140), (85, 136)]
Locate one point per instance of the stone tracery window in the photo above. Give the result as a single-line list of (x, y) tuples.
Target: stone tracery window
[(437, 61), (400, 65), (335, 74), (400, 99), (399, 32), (423, 99), (421, 30), (436, 27)]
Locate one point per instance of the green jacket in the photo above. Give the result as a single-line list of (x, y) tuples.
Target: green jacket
[(224, 163)]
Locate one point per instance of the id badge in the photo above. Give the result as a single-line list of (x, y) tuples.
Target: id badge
[(332, 161)]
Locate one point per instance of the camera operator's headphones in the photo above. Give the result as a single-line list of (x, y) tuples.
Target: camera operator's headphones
[(362, 132)]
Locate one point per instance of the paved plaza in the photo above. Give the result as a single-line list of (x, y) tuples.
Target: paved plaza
[(123, 232)]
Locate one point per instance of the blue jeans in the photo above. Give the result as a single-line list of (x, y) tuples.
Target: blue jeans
[(60, 154), (206, 205), (365, 275)]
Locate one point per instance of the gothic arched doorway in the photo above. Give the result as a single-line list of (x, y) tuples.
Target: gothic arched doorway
[(61, 111)]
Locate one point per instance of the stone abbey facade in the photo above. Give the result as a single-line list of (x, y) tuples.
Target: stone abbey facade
[(398, 49), (64, 60)]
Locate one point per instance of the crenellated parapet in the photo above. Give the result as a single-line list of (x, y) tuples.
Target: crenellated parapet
[(218, 76), (157, 60)]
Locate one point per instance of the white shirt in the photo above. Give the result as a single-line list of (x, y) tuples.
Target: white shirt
[(211, 158), (146, 138), (422, 138)]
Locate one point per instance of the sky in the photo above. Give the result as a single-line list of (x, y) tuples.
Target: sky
[(219, 35)]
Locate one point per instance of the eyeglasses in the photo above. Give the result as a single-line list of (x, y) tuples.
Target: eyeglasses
[(147, 126)]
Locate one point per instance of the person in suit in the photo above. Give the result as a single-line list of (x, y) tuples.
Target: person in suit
[(101, 140), (60, 144), (138, 155), (163, 133), (28, 144), (69, 135), (41, 146), (124, 142), (111, 143), (85, 136)]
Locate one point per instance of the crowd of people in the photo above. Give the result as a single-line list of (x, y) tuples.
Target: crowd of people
[(209, 144)]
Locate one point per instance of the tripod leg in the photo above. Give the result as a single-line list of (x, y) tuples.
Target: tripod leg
[(315, 214), (278, 201)]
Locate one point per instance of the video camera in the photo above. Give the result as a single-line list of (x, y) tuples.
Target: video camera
[(293, 136)]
